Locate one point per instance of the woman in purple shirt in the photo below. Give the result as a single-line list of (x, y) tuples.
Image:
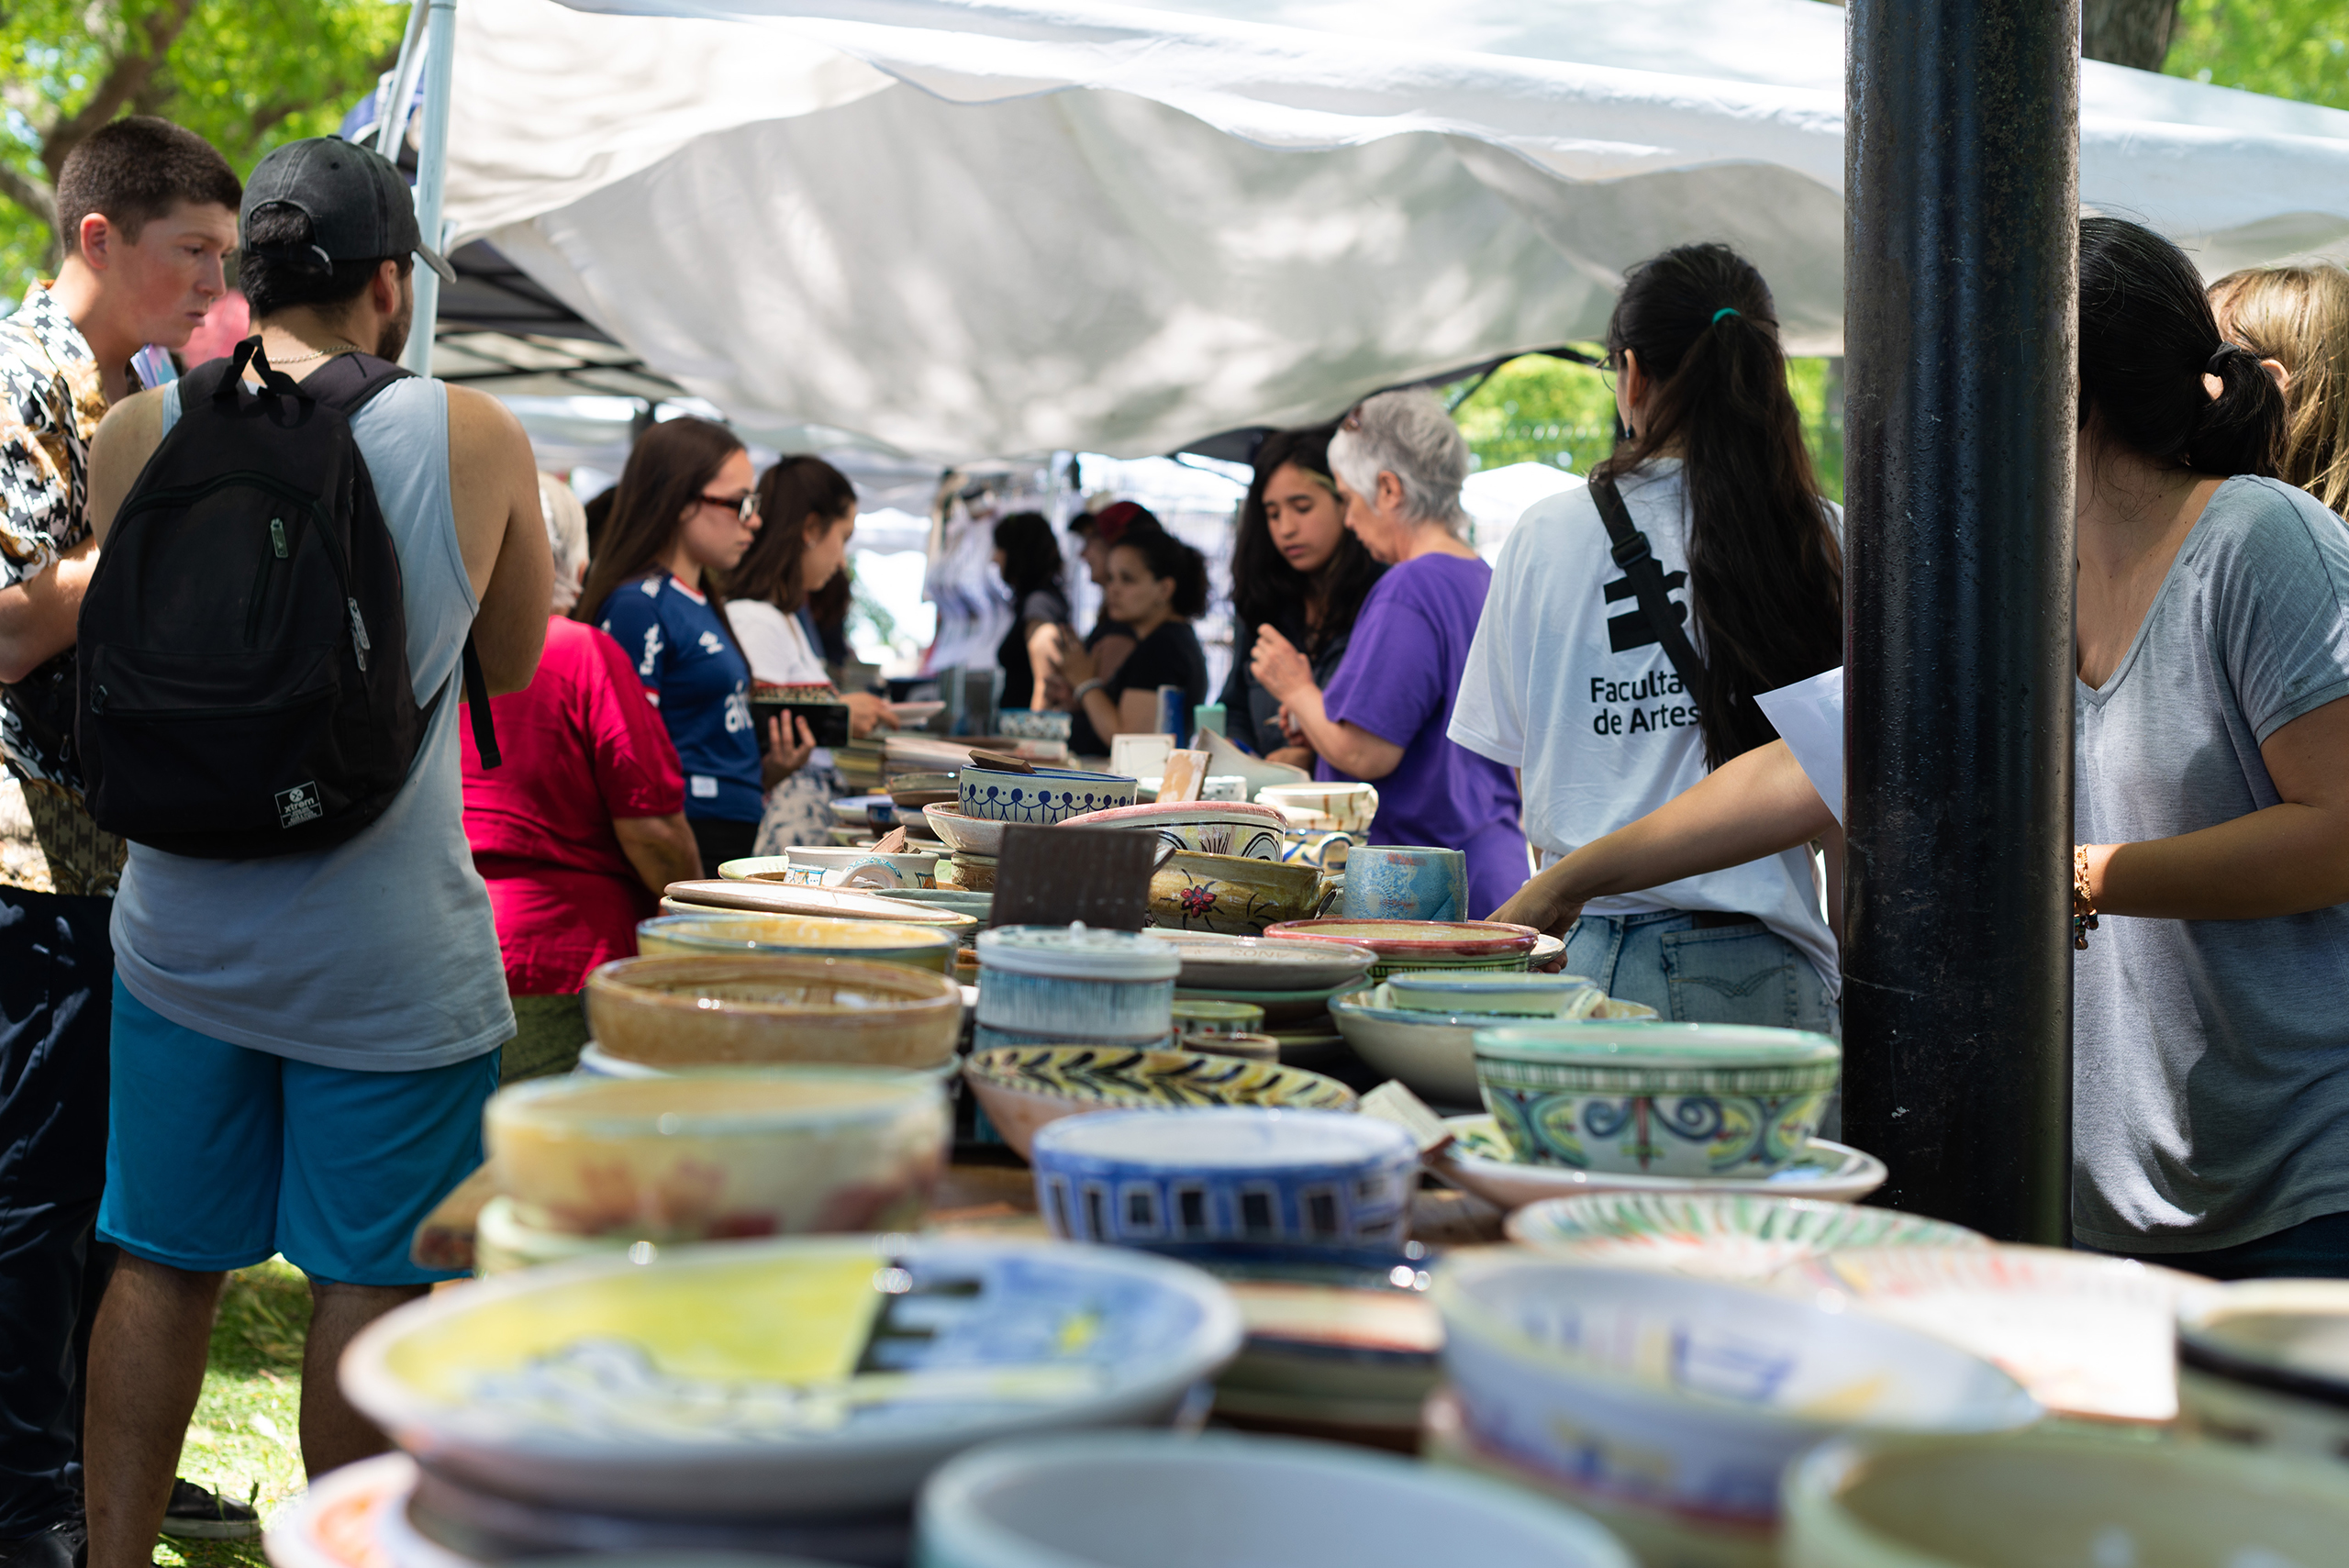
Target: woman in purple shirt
[(1399, 460)]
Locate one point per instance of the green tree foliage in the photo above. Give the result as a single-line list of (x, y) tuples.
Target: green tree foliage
[(246, 74), (2287, 49)]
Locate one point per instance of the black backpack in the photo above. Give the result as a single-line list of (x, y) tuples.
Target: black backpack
[(244, 680)]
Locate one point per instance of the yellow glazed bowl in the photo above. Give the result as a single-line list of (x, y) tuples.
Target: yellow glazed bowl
[(1232, 895), (679, 1011), (718, 1155), (717, 932), (1021, 1088), (2060, 1500)]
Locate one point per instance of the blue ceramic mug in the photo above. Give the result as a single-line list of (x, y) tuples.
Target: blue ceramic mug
[(1404, 882)]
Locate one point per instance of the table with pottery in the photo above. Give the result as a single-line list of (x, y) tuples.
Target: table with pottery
[(1313, 1223)]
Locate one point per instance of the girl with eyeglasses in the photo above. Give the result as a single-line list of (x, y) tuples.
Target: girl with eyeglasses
[(683, 514)]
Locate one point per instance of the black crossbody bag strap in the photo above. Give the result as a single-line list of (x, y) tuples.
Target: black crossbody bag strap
[(1645, 574)]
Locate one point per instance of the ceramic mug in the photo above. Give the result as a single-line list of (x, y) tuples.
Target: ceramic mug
[(1404, 882)]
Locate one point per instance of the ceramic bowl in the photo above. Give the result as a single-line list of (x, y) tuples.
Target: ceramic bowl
[(1687, 1394), (718, 1155), (1657, 1099), (713, 934), (1217, 1177), (1039, 799), (915, 792), (1070, 985), (503, 1241), (2267, 1362), (1341, 1346), (836, 866), (965, 835), (784, 898), (1253, 1046), (979, 906), (1283, 1009), (2040, 1499), (1023, 1087), (1225, 827), (1433, 1053), (1328, 848), (1422, 944), (1726, 1236), (682, 1011), (1348, 807), (970, 873), (1231, 895), (1553, 996), (1404, 882), (1480, 1159), (866, 811), (1214, 962), (1125, 1500), (1194, 1017), (2089, 1336), (1033, 724), (766, 1379)]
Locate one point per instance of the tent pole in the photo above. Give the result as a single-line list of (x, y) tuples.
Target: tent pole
[(1962, 277), (397, 89), (433, 175)]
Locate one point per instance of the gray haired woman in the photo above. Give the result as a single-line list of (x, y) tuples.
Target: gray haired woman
[(1399, 462)]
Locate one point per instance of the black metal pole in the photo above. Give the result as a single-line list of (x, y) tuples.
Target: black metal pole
[(1962, 272)]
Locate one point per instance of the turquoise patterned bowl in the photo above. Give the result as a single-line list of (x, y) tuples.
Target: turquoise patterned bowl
[(1731, 1236), (1657, 1099)]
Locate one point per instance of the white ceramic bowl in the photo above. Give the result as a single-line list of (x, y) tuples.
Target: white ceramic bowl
[(1684, 1394), (1726, 1236), (1545, 996), (2045, 1499), (1433, 1053), (965, 835), (2267, 1362), (765, 1379), (1480, 1159), (1148, 1500)]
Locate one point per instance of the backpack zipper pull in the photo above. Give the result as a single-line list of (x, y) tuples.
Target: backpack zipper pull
[(358, 633), (277, 536)]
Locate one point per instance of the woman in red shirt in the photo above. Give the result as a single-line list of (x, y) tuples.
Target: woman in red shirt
[(583, 825)]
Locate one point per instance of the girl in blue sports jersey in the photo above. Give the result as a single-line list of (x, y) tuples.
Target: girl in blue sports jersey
[(685, 509)]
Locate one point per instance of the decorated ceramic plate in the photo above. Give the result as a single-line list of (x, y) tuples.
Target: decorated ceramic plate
[(798, 899), (1216, 962), (2087, 1335), (775, 1377), (1436, 939), (1733, 1236), (1480, 1159)]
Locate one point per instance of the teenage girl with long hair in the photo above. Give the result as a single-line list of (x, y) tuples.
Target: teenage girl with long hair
[(1297, 569), (1028, 554), (684, 512), (1570, 684), (1157, 586)]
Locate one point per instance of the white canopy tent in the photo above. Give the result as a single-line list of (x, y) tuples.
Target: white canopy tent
[(963, 226)]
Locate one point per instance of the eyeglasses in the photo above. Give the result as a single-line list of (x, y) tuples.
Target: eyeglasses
[(745, 506)]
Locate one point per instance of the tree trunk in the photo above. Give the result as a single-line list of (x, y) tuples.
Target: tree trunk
[(2127, 32)]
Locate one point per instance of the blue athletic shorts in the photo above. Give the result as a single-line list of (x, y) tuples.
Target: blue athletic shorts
[(218, 1156)]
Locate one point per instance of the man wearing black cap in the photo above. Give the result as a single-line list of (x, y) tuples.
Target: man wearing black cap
[(302, 1044)]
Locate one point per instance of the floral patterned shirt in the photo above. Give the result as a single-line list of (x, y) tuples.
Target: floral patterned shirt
[(52, 398)]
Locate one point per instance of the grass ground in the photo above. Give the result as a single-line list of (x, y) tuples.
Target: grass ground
[(244, 1440)]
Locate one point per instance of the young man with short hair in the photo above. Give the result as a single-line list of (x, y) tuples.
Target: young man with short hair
[(146, 211), (302, 1043)]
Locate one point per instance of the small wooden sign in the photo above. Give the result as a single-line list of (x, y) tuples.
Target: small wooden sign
[(1055, 877)]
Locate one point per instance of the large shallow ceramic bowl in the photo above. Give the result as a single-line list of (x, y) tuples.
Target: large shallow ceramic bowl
[(2089, 1336), (772, 1378), (1422, 944), (1217, 1177), (2267, 1362), (774, 1151), (2056, 1499), (1212, 962), (1213, 827), (1554, 998), (1230, 894), (784, 899), (1153, 1500), (713, 933), (1021, 1088), (1480, 1159), (1727, 1236), (1657, 1099), (1433, 1053), (965, 835), (1039, 799), (1682, 1394), (682, 1012)]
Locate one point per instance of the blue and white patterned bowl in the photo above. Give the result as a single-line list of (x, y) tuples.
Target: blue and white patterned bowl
[(1040, 798), (1206, 1178)]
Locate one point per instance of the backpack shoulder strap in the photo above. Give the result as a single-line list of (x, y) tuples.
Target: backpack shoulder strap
[(1640, 565)]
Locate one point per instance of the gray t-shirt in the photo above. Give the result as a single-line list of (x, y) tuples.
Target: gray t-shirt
[(2211, 1075)]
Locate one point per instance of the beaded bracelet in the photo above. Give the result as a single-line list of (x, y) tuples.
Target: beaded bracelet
[(2083, 902)]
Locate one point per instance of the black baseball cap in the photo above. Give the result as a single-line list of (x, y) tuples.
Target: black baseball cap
[(359, 207)]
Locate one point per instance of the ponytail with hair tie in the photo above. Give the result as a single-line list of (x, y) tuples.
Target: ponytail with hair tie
[(2240, 428)]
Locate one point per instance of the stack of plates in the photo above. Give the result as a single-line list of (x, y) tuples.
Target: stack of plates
[(1293, 982), (1341, 1349)]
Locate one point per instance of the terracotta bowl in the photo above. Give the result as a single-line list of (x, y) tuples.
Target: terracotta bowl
[(1021, 1088), (1233, 895), (682, 1012)]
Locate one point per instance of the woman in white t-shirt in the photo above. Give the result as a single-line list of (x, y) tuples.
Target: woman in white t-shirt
[(809, 512), (1570, 680)]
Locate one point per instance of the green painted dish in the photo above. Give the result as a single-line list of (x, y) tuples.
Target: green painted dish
[(1734, 1236)]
